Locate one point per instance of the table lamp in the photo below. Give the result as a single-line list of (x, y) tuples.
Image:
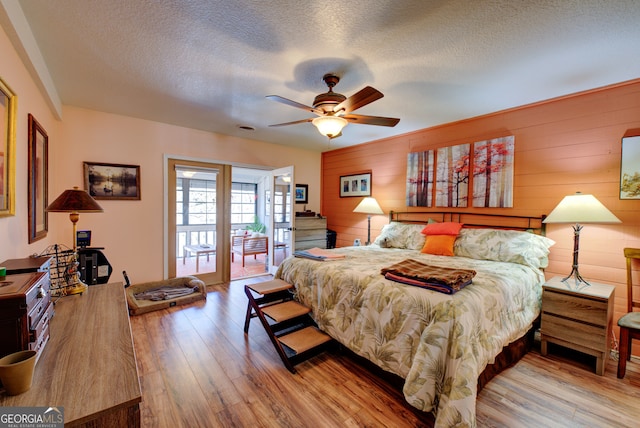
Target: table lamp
[(74, 202), (368, 206), (579, 208)]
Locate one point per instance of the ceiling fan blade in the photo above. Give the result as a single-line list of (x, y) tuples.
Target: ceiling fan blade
[(296, 104), (359, 99), (371, 120), (293, 123)]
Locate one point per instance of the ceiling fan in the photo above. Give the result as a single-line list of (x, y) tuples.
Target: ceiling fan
[(334, 109)]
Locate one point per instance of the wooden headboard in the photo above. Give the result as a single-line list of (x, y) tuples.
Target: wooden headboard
[(496, 221)]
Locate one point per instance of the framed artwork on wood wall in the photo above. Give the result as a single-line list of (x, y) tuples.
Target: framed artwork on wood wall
[(630, 168), (38, 180), (8, 102), (420, 167), (452, 176), (355, 185), (493, 172), (112, 181)]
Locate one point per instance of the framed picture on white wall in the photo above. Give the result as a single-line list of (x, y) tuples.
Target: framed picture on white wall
[(112, 181), (302, 196)]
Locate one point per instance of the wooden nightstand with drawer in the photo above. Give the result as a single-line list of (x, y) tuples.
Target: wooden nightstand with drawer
[(578, 319)]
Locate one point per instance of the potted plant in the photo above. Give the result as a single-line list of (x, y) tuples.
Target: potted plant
[(257, 227)]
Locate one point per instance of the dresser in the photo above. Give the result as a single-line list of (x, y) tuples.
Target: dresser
[(310, 232), (89, 366), (578, 319), (25, 312)]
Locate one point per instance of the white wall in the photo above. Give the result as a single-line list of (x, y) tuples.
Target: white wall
[(132, 231), (14, 229)]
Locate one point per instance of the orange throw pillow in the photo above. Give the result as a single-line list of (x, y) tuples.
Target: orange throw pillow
[(440, 245), (448, 228)]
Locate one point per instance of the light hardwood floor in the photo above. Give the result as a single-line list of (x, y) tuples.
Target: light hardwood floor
[(198, 369)]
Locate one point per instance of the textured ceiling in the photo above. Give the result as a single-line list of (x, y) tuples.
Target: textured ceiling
[(208, 64)]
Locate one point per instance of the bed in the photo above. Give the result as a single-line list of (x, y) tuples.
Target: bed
[(440, 344)]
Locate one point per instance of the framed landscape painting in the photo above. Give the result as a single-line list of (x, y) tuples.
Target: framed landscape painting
[(420, 170), (112, 181), (452, 176), (493, 172)]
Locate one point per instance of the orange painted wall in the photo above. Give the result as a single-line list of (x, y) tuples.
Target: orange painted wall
[(561, 146)]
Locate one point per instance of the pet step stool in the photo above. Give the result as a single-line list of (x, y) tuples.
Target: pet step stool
[(288, 323)]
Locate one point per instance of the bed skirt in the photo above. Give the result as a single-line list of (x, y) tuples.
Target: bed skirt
[(510, 355)]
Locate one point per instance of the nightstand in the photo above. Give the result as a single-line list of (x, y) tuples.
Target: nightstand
[(579, 319)]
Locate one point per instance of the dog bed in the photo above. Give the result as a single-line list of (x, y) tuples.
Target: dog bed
[(162, 293)]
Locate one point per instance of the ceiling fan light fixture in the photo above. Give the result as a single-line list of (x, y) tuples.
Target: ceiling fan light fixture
[(330, 126)]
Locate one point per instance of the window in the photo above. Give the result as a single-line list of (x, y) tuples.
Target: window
[(197, 206), (244, 202)]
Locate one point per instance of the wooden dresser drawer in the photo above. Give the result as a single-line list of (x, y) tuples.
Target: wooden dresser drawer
[(581, 308), (39, 306), (306, 245), (311, 232), (37, 330), (581, 334), (42, 336), (304, 223), (36, 294)]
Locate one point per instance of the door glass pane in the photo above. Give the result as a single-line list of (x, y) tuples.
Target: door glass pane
[(196, 207), (281, 205)]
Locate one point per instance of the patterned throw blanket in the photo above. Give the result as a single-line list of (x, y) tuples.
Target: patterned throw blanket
[(444, 280)]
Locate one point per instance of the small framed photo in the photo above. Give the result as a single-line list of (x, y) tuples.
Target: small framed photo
[(302, 196), (355, 185), (112, 181)]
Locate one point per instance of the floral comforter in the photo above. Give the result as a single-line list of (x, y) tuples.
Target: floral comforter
[(438, 343)]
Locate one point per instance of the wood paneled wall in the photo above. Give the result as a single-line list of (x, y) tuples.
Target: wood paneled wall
[(562, 146)]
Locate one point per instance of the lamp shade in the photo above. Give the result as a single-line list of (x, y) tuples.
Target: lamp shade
[(330, 126), (74, 200), (368, 205), (581, 208)]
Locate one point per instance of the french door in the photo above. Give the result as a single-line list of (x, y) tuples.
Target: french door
[(280, 208), (198, 220)]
